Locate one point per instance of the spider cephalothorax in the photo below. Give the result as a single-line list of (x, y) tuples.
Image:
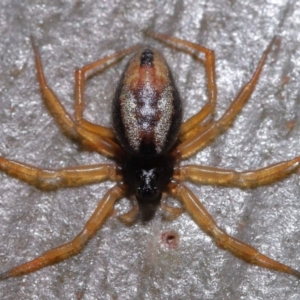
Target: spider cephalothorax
[(147, 179), (147, 141)]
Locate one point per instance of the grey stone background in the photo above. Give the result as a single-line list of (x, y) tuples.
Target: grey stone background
[(132, 262)]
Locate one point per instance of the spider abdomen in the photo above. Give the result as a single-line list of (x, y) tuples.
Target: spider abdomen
[(147, 107)]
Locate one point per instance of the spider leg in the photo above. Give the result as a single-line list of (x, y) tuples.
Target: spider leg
[(70, 128), (222, 239), (209, 64), (197, 140), (245, 179), (73, 247), (66, 177), (81, 75)]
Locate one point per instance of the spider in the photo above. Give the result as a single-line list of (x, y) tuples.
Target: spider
[(147, 141)]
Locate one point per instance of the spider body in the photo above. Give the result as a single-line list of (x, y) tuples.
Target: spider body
[(147, 141), (147, 178), (147, 109), (147, 117)]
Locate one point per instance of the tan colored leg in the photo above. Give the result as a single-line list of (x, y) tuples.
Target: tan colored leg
[(245, 179), (197, 130), (72, 248), (81, 76), (209, 63), (66, 177), (93, 141), (198, 140), (61, 116), (222, 239)]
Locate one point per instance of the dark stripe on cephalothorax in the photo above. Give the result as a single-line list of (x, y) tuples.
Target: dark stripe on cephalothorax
[(147, 58)]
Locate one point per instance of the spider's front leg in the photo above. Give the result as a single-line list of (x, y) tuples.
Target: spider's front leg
[(72, 248), (222, 239)]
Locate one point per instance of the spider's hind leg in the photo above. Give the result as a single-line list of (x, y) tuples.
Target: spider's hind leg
[(81, 75), (100, 140), (196, 139)]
